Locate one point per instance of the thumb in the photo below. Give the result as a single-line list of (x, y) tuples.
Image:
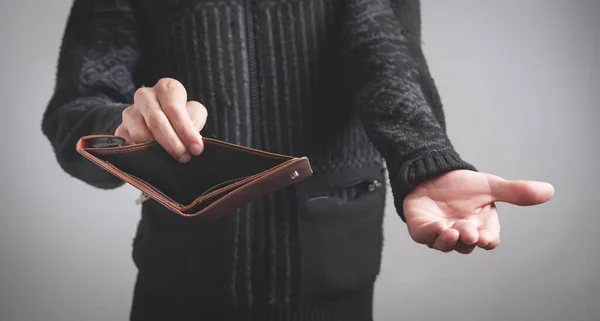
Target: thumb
[(122, 132), (520, 192)]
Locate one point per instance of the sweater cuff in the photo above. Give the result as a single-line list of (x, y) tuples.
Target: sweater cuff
[(418, 170), (113, 117)]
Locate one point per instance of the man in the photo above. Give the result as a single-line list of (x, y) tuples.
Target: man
[(344, 82)]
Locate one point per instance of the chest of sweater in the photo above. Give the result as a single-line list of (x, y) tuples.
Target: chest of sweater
[(264, 69)]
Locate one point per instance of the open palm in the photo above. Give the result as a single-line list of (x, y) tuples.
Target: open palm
[(456, 211)]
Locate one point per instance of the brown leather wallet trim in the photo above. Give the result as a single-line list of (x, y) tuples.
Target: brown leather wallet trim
[(235, 185), (294, 171), (134, 147), (287, 173), (133, 181)]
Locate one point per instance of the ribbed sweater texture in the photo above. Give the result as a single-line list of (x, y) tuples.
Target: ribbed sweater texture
[(344, 82)]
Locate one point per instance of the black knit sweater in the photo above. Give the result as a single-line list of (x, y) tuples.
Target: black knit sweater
[(344, 82)]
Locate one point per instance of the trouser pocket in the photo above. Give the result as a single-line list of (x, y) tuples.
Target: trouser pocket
[(341, 234)]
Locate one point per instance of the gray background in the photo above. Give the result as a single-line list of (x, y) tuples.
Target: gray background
[(520, 80)]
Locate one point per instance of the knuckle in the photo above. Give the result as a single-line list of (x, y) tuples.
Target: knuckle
[(154, 119), (126, 113), (130, 115), (189, 134), (142, 94), (169, 107), (166, 84)]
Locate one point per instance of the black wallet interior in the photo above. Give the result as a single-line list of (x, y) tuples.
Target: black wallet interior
[(218, 166)]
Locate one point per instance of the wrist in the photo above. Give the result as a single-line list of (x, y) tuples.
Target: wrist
[(407, 176)]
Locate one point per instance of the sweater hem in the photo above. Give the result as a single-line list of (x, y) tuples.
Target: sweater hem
[(357, 306), (354, 306)]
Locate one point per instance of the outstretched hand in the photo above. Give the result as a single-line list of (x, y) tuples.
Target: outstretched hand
[(456, 211)]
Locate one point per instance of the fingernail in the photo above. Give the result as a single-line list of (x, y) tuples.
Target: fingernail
[(195, 149), (185, 158)]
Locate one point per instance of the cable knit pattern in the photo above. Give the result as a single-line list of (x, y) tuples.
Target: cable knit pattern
[(93, 84), (395, 95), (344, 82)]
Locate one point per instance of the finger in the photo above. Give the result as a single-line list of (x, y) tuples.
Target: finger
[(489, 230), (519, 192), (427, 233), (159, 125), (468, 231), (488, 240), (135, 126), (172, 97), (121, 131), (446, 241), (464, 248), (197, 113)]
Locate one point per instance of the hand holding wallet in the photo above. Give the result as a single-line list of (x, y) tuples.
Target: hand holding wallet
[(221, 179)]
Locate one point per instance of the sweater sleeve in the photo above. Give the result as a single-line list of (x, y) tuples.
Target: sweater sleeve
[(396, 97), (94, 82)]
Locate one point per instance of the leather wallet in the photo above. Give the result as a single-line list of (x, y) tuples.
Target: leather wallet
[(221, 179)]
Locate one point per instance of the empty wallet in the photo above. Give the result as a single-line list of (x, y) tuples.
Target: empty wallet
[(221, 179)]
